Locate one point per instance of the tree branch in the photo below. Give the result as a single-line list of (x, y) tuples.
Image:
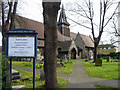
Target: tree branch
[(83, 10), (9, 12), (103, 19), (91, 19), (13, 15), (3, 20), (79, 24), (111, 17)]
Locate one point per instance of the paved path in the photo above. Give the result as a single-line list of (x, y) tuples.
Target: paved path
[(79, 77)]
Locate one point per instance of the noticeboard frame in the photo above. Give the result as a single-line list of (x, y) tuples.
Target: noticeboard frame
[(21, 33)]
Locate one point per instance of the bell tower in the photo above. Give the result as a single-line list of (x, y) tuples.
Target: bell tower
[(63, 25)]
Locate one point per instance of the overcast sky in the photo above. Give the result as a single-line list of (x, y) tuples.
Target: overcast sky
[(32, 9)]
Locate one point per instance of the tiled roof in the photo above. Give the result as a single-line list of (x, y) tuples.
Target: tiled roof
[(73, 35), (87, 40), (26, 23), (64, 46), (22, 22)]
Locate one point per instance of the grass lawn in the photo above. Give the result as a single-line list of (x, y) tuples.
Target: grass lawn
[(101, 87), (38, 83), (27, 64), (68, 67), (109, 70), (66, 70)]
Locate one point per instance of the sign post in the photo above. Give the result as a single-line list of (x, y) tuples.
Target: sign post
[(21, 43)]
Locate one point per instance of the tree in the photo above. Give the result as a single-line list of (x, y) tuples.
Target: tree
[(8, 13), (50, 11), (87, 11), (115, 25)]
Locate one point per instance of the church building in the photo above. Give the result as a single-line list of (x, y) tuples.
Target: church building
[(70, 45)]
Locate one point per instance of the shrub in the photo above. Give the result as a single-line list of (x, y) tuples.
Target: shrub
[(69, 61), (4, 73), (38, 66)]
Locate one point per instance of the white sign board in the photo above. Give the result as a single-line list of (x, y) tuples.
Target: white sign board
[(21, 46)]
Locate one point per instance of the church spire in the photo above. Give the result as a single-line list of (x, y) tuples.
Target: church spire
[(62, 18), (63, 25)]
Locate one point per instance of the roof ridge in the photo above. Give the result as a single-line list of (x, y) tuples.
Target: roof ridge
[(29, 19)]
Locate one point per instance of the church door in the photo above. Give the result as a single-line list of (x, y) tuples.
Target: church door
[(73, 53)]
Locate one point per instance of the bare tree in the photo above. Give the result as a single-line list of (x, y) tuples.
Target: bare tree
[(50, 11), (7, 18), (8, 13), (87, 11), (116, 30)]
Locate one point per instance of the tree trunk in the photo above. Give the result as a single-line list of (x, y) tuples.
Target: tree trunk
[(50, 11), (13, 15), (95, 50), (5, 25), (95, 53)]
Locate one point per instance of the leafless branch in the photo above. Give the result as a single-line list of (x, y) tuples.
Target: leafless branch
[(83, 10), (111, 16), (79, 23)]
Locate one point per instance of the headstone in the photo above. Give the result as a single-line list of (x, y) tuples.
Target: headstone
[(59, 65), (108, 59), (15, 75), (14, 72), (98, 62), (62, 63), (86, 60), (42, 75)]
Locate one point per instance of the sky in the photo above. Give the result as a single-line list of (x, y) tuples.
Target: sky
[(32, 9)]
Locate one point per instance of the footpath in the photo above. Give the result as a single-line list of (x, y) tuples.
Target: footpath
[(80, 79)]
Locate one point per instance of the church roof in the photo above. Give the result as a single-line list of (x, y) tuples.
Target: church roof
[(64, 46), (87, 40), (22, 22)]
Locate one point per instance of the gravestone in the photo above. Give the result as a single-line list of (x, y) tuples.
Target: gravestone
[(15, 75), (42, 75), (86, 60), (108, 59), (98, 62)]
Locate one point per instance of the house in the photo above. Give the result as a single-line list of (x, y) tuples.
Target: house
[(70, 45), (106, 49)]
